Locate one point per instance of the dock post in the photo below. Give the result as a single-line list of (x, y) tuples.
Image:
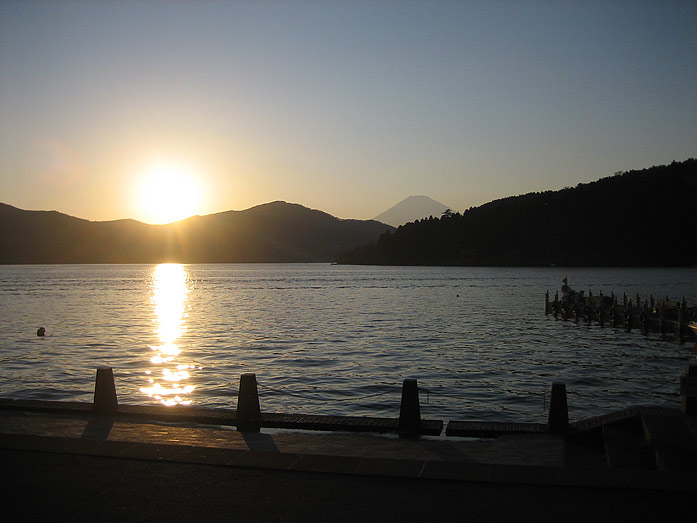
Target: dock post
[(661, 320), (688, 390), (105, 401), (409, 410), (624, 300), (644, 319), (558, 420), (248, 411), (628, 315), (546, 303), (681, 319)]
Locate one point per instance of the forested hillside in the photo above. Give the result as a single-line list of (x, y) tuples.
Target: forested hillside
[(637, 218), (273, 232)]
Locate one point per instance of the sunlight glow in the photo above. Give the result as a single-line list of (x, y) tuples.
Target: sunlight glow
[(170, 296), (168, 192)]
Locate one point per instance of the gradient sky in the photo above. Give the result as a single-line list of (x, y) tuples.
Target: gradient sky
[(347, 107)]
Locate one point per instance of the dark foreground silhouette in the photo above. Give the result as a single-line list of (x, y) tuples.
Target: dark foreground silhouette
[(46, 487)]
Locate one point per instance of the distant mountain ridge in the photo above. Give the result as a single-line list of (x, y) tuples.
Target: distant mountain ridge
[(272, 232), (411, 209), (643, 218)]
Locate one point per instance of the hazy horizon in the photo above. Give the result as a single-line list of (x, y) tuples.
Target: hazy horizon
[(205, 214), (156, 110)]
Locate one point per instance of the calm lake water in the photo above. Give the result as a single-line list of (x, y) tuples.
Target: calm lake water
[(331, 339)]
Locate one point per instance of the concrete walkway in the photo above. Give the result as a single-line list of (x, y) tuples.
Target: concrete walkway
[(83, 467)]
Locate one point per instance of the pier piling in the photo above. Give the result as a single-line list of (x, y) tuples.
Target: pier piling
[(681, 319), (665, 316), (105, 401), (248, 410)]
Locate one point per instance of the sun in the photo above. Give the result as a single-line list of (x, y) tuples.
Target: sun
[(167, 193)]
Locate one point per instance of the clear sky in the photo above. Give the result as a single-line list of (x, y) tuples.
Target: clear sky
[(110, 109)]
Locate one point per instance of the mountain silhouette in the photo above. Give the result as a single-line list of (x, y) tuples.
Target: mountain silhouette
[(643, 218), (411, 209), (272, 232)]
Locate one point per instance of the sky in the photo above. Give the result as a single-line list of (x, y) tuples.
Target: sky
[(155, 110)]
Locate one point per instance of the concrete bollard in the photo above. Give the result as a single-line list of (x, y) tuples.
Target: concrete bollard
[(105, 401), (409, 410), (558, 420), (688, 390), (248, 411)]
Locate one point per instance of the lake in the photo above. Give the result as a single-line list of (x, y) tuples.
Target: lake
[(333, 339)]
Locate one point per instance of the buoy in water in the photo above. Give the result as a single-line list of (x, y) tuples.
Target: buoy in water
[(41, 332)]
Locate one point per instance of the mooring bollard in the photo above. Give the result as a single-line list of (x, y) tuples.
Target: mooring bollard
[(248, 411), (558, 420), (409, 410), (105, 401), (688, 390)]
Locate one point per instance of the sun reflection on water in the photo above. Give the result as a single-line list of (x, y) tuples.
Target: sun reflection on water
[(170, 288)]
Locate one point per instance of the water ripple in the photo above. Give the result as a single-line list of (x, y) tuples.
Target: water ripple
[(326, 339)]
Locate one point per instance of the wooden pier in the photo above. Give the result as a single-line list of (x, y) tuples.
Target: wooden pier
[(665, 316)]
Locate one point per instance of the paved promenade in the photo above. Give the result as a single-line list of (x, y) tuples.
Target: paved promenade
[(81, 467)]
